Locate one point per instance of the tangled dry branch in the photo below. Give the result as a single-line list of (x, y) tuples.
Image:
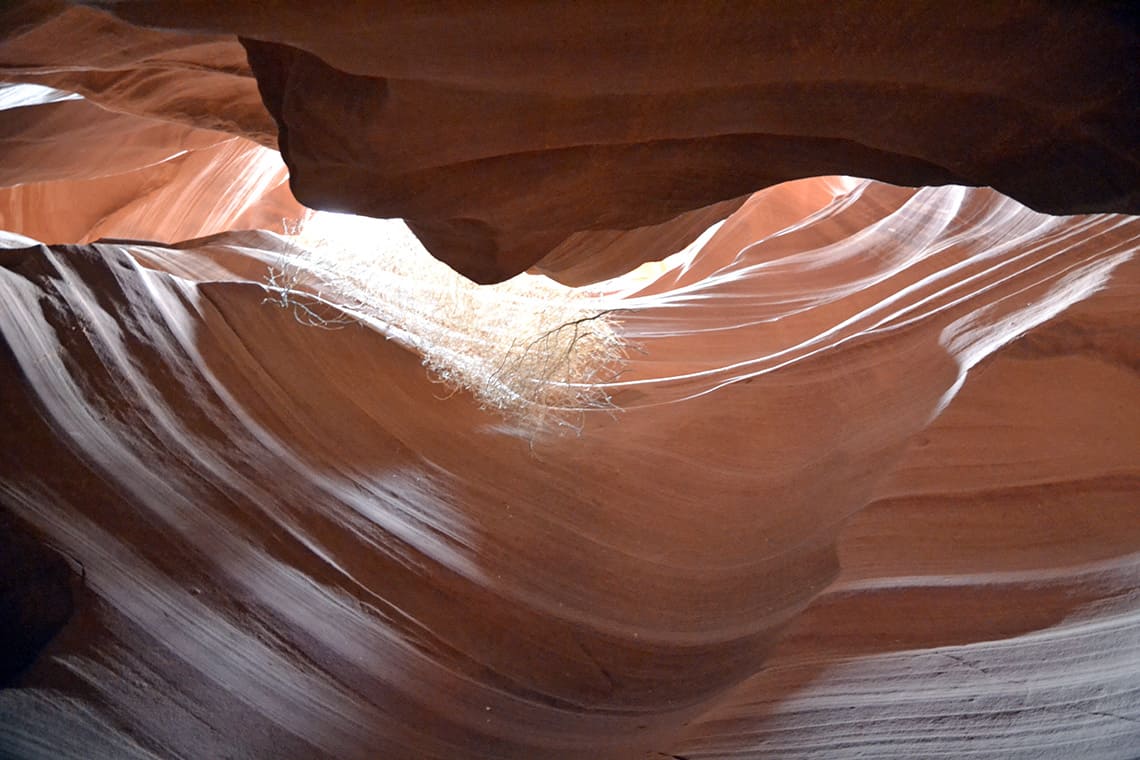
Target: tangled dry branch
[(540, 353)]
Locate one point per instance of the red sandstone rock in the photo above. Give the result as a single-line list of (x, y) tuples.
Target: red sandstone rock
[(509, 134), (319, 556), (199, 80), (873, 488), (74, 172)]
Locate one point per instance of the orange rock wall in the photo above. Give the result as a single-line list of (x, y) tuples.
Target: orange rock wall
[(845, 507)]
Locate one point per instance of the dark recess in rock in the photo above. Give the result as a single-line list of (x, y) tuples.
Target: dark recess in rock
[(36, 597)]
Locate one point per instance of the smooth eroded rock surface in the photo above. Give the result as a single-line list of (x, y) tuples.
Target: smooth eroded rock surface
[(74, 172), (842, 492)]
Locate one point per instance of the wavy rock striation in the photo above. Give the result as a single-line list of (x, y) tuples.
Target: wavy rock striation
[(162, 182), (844, 509)]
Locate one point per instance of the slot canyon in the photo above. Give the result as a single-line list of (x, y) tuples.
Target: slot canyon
[(761, 380)]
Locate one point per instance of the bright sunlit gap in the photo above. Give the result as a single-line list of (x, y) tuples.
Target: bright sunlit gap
[(538, 351)]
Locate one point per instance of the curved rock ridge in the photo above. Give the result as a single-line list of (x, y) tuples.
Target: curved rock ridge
[(61, 182), (557, 134), (871, 491), (201, 81)]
